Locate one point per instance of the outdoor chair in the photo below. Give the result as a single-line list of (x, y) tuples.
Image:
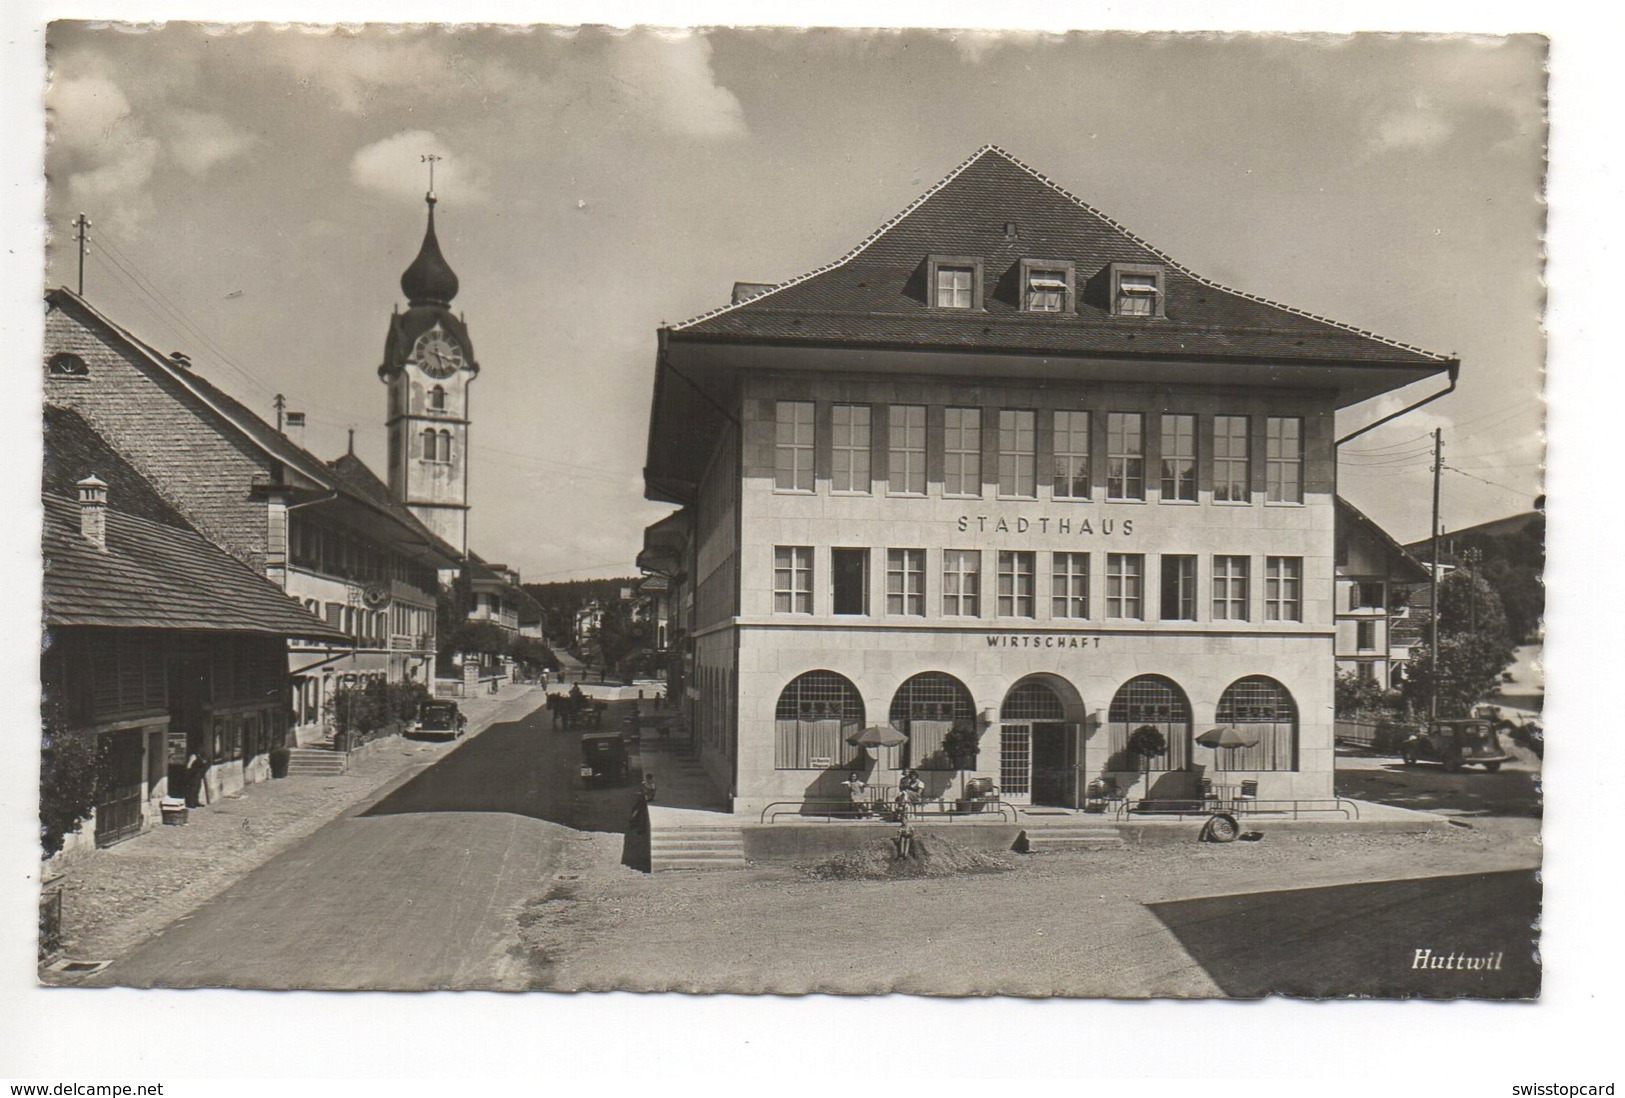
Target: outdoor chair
[(1248, 794)]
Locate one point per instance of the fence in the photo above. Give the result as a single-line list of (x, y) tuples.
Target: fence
[(1374, 735)]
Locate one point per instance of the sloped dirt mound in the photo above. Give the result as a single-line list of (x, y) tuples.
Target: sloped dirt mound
[(931, 857)]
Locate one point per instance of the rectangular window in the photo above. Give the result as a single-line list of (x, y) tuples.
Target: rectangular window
[(1071, 455), (1230, 588), (849, 580), (1125, 455), (1366, 671), (1367, 595), (1017, 453), (1365, 636), (1230, 460), (1125, 586), (1178, 587), (1016, 571), (792, 579), (1044, 289), (955, 287), (1136, 295), (1069, 585), (1179, 457), (793, 446), (1283, 460), (1283, 588), (849, 448), (962, 583), (906, 442), (962, 452), (905, 582)]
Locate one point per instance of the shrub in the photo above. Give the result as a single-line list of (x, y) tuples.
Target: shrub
[(70, 771)]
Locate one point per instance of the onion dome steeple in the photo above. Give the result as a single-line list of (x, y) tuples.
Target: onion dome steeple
[(430, 279)]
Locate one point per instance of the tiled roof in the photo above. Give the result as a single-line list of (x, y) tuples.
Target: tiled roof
[(353, 474), (249, 424), (154, 576), (74, 451), (876, 294)]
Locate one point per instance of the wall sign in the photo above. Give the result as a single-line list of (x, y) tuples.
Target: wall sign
[(1045, 524), (1042, 640)]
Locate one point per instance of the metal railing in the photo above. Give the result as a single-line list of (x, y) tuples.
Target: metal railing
[(1182, 807), (948, 811)]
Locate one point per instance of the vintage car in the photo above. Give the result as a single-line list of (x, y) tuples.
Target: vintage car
[(604, 759), (438, 718), (1456, 743)]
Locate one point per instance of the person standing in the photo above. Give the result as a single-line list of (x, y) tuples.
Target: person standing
[(197, 770)]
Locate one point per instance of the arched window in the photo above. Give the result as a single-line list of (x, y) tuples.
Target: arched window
[(816, 712), (1156, 701), (925, 709), (437, 398), (1263, 707), (429, 445), (444, 452), (67, 364), (1032, 701)]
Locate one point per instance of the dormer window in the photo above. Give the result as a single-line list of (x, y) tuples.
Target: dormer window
[(1137, 289), (1046, 286), (955, 282), (67, 364)]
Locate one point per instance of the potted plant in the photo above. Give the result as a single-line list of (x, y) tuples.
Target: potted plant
[(1147, 742), (960, 747), (280, 756)]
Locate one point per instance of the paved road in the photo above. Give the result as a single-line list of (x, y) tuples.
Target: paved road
[(415, 890)]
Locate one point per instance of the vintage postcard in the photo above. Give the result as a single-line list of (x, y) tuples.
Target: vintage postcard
[(776, 511)]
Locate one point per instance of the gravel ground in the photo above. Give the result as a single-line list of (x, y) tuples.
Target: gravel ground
[(117, 897), (1072, 923)]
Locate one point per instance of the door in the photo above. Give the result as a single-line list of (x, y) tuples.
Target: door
[(1055, 772), (187, 686), (1015, 762), (118, 804)]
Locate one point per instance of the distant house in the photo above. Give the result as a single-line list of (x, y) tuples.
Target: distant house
[(1374, 603), (158, 643)]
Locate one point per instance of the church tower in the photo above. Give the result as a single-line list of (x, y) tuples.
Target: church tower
[(429, 365)]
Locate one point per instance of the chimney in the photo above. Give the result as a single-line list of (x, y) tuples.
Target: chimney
[(93, 511), (293, 425)]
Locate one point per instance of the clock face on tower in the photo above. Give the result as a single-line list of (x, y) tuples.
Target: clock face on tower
[(437, 354)]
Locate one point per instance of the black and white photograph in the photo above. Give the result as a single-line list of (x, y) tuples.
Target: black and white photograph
[(789, 510)]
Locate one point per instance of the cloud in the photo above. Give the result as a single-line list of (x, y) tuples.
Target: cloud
[(106, 155), (394, 167), (198, 140), (353, 70), (669, 76)]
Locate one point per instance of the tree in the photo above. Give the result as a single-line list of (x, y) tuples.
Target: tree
[(1356, 696), (70, 774), (1474, 647)]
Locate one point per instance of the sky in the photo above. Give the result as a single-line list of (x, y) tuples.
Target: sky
[(256, 192)]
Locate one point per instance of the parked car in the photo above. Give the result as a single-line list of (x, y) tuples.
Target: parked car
[(439, 718), (1456, 743), (1525, 726), (604, 759)]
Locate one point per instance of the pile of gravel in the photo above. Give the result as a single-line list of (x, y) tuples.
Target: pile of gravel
[(931, 857)]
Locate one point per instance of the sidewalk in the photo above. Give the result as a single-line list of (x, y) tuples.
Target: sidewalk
[(119, 896)]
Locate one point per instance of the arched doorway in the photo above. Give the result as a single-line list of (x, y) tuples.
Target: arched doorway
[(1040, 727), (816, 712), (1156, 701), (1264, 707)]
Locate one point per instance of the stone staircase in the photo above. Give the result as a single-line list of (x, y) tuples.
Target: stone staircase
[(696, 848), (318, 762), (1071, 837)]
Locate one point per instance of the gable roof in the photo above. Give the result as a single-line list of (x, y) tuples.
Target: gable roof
[(1403, 567), (154, 576), (875, 294), (248, 426), (73, 451)]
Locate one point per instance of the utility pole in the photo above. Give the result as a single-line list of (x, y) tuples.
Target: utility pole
[(82, 223), (1433, 586)]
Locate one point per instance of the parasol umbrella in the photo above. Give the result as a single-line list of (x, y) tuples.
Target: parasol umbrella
[(1228, 735), (877, 735)]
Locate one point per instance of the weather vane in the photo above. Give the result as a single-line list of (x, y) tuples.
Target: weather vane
[(430, 159)]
